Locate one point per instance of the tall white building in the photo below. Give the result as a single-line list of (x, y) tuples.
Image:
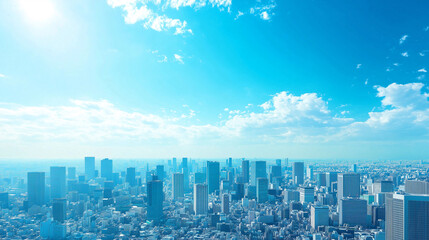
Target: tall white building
[(201, 199)]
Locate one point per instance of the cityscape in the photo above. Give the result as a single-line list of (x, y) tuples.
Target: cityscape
[(214, 119), (185, 198)]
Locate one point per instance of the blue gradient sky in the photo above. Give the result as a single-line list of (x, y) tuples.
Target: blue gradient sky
[(107, 78)]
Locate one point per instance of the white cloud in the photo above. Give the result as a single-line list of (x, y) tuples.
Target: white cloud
[(422, 70), (151, 13), (358, 66), (239, 14), (2, 75), (264, 9), (366, 81), (163, 59), (179, 58), (404, 54), (402, 39)]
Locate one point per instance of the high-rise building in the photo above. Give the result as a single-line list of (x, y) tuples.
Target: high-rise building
[(354, 168), (306, 194), (319, 216), (245, 170), (229, 161), (201, 199), (185, 171), (258, 170), (290, 195), (279, 162), (417, 187), (155, 196), (225, 203), (321, 179), (4, 200), (407, 216), (276, 171), (131, 176), (262, 190), (310, 172), (160, 172), (331, 177), (213, 176), (199, 177), (36, 188), (107, 169), (71, 173), (352, 211), (58, 182), (298, 172), (382, 187), (178, 190), (90, 167), (174, 164), (59, 209), (348, 185)]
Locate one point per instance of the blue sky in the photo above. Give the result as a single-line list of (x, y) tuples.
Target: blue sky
[(214, 78)]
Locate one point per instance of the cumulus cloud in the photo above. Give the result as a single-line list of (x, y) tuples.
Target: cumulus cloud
[(403, 114), (405, 54), (179, 58), (402, 39), (2, 75)]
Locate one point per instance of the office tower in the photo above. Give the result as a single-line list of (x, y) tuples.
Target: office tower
[(309, 172), (131, 176), (319, 216), (276, 171), (382, 187), (71, 173), (330, 178), (174, 164), (107, 169), (199, 177), (58, 182), (59, 209), (354, 168), (36, 188), (258, 170), (352, 211), (201, 199), (185, 172), (298, 172), (4, 200), (160, 172), (290, 195), (306, 194), (225, 203), (279, 162), (229, 161), (321, 179), (417, 187), (155, 198), (213, 176), (245, 170), (348, 185), (178, 189), (407, 216), (262, 190), (90, 167)]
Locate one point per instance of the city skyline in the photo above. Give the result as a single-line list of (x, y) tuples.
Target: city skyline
[(260, 79)]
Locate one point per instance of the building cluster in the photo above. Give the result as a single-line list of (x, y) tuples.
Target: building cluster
[(231, 199)]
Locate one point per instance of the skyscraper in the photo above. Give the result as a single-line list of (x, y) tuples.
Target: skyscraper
[(276, 171), (225, 203), (330, 178), (319, 216), (348, 185), (131, 176), (58, 182), (245, 170), (407, 216), (178, 188), (59, 209), (160, 172), (258, 170), (352, 211), (213, 176), (107, 169), (155, 196), (417, 187), (262, 190), (201, 199), (174, 164), (71, 173), (321, 179), (36, 188), (306, 194), (90, 167), (185, 171), (298, 172)]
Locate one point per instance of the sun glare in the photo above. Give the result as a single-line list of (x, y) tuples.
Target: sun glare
[(40, 11)]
